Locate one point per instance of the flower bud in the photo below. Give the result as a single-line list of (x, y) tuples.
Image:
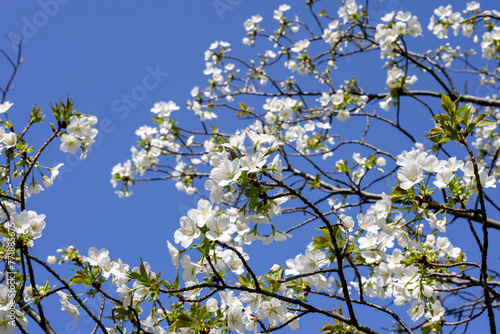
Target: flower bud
[(274, 268)]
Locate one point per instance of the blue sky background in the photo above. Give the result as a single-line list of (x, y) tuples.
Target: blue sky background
[(98, 52)]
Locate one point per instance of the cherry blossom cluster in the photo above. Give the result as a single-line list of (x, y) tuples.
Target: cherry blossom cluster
[(375, 236), (390, 240), (106, 268), (23, 176), (277, 165), (153, 142), (414, 165), (388, 34), (67, 306), (446, 18), (26, 224), (394, 274), (80, 133)]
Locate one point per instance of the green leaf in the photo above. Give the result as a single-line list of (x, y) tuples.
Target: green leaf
[(316, 182), (176, 281), (446, 104), (434, 133), (244, 110), (206, 316), (484, 122), (443, 140), (244, 280), (184, 320), (36, 115), (426, 328), (201, 312), (398, 193), (121, 310), (465, 119), (322, 242), (80, 277)]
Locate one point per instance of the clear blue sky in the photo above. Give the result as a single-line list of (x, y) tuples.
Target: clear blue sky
[(103, 54)]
